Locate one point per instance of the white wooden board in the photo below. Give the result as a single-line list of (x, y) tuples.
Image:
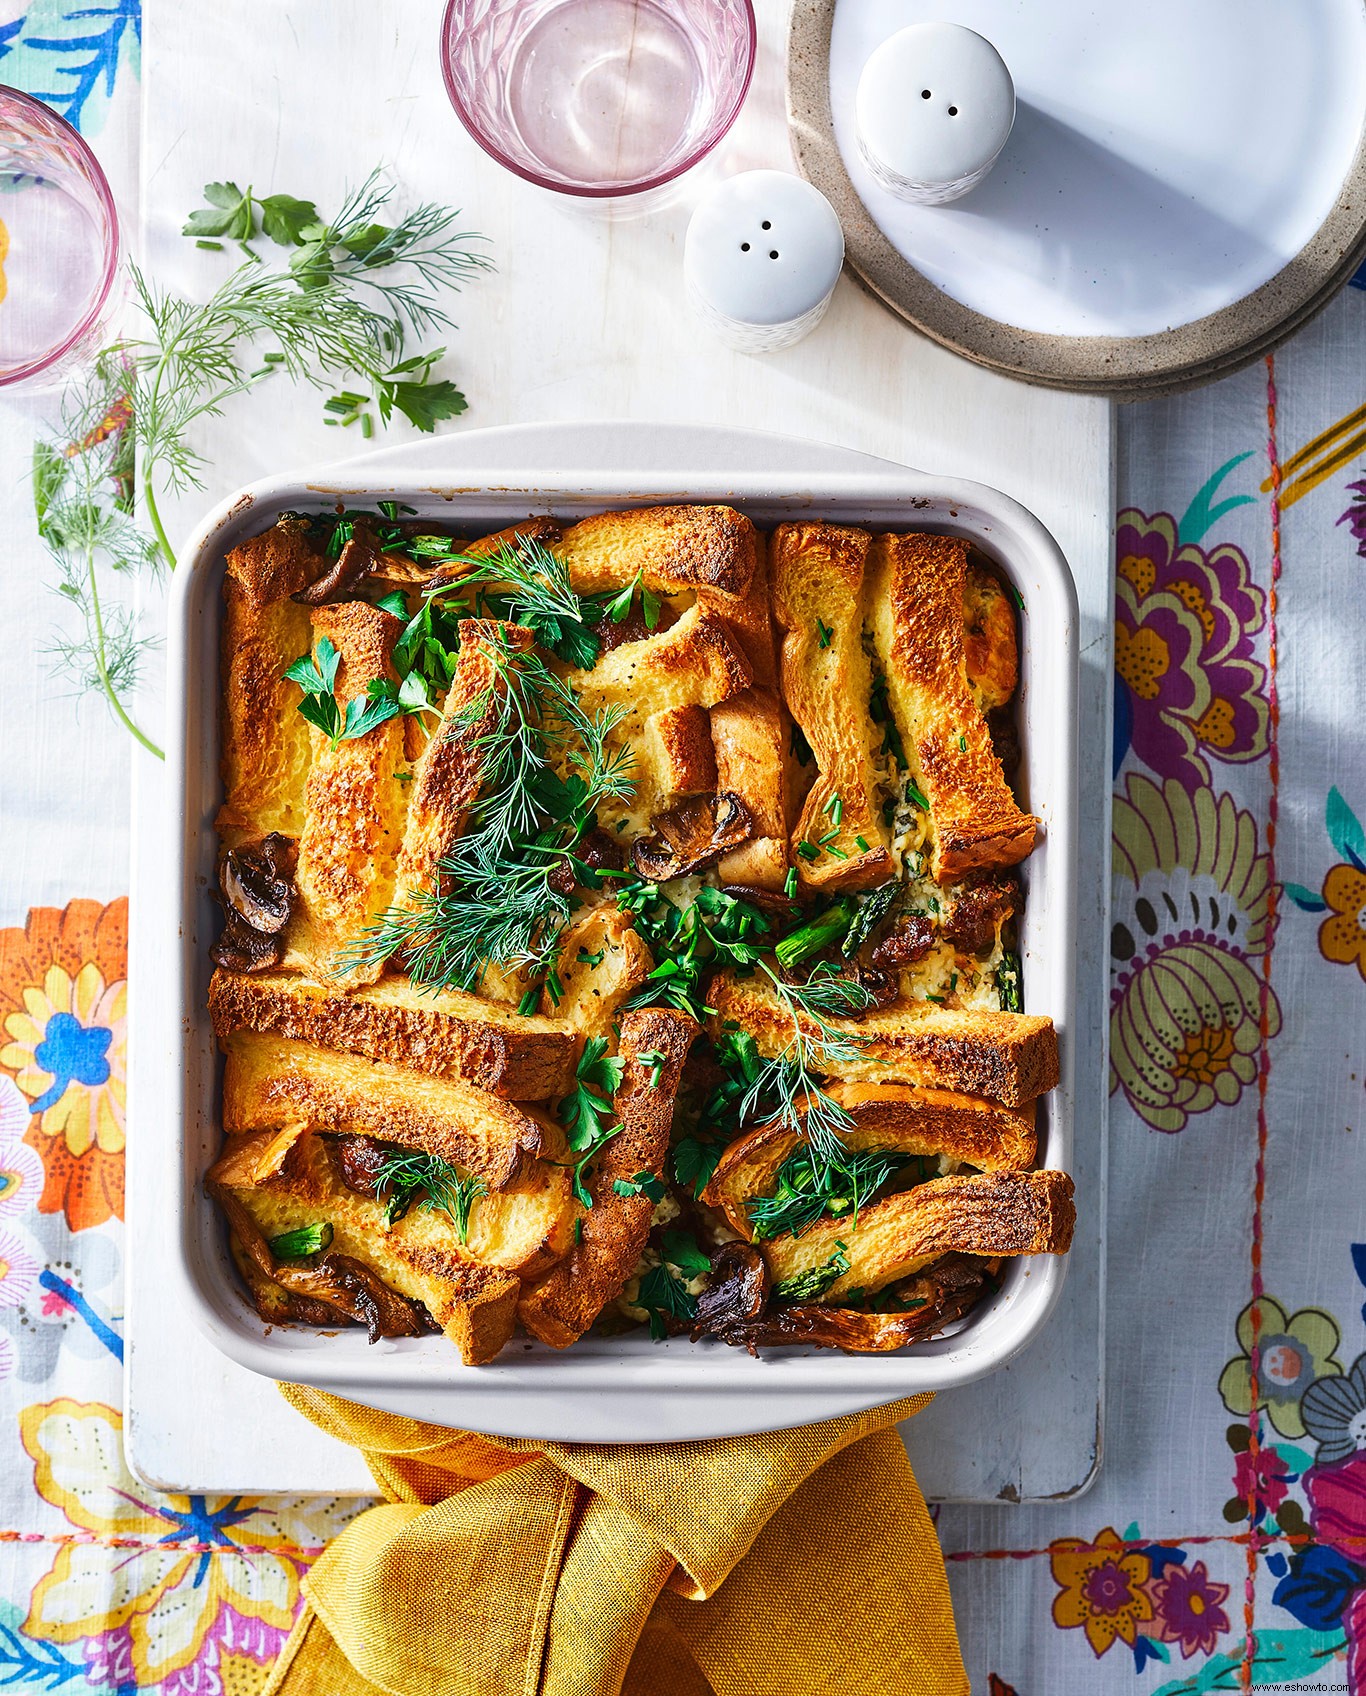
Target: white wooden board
[(586, 319)]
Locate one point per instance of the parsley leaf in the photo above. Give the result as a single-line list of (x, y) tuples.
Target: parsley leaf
[(695, 1160), (663, 1296), (284, 219), (680, 1249), (641, 1183), (584, 1113)]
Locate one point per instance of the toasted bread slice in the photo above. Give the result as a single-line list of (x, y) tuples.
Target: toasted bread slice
[(676, 755), (917, 597), (267, 744), (985, 1213), (271, 1082), (523, 1228), (886, 1116), (449, 773), (748, 737), (817, 573), (473, 1303), (1006, 1057), (445, 1034), (353, 809), (603, 960), (560, 1307), (674, 548), (276, 564), (991, 649)]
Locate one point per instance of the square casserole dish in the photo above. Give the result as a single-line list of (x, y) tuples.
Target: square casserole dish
[(622, 1388)]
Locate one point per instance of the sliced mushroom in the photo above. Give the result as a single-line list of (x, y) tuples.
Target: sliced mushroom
[(355, 560), (977, 914), (910, 940), (766, 900), (734, 1296), (691, 836), (928, 1302), (361, 1162), (256, 882), (344, 1283)]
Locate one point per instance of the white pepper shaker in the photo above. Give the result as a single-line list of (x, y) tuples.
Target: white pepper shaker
[(761, 260), (935, 105)]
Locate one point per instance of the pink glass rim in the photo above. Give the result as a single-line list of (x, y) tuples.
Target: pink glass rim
[(90, 165), (583, 191)]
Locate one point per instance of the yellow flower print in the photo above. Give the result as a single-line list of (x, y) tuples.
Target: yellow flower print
[(1342, 938), (66, 1052), (1103, 1589), (1293, 1350), (198, 1583)]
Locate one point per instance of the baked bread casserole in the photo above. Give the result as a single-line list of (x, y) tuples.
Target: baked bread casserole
[(620, 930)]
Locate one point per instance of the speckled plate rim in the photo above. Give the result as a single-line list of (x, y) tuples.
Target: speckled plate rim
[(1124, 367)]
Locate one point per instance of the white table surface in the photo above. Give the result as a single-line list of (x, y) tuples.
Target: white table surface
[(586, 319)]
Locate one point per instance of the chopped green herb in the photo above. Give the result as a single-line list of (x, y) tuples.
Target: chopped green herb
[(586, 1113), (530, 1001), (592, 961), (1008, 990), (962, 744), (316, 676), (860, 843), (304, 1240), (824, 632), (804, 1192), (808, 850), (680, 1249), (916, 795), (656, 1060), (578, 1229), (641, 1183), (790, 883), (664, 1297)]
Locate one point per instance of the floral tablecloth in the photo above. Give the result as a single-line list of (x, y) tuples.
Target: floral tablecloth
[(1224, 1546)]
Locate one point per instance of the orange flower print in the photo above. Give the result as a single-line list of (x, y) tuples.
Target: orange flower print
[(63, 1009), (1342, 937), (1103, 1589)]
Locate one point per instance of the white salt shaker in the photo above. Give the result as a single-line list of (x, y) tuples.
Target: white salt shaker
[(935, 105), (761, 260)]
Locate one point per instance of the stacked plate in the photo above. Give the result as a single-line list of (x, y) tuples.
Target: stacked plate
[(1185, 184)]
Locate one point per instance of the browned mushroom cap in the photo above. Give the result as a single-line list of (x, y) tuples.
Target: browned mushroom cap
[(735, 1293), (257, 884), (766, 900), (691, 836), (358, 556), (242, 949), (257, 881), (929, 1301), (344, 1283)]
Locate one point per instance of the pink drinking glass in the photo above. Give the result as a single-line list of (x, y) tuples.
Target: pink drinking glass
[(601, 99), (59, 241)]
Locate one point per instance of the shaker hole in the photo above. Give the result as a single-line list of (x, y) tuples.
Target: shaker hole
[(924, 94), (953, 111), (744, 247), (773, 253), (766, 225)]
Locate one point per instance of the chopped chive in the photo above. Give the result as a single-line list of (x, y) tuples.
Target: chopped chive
[(808, 850), (861, 843), (953, 982), (210, 246), (251, 253), (273, 358), (367, 425), (790, 883), (824, 632), (827, 839), (1016, 596), (938, 999), (962, 744), (529, 1002), (916, 796), (839, 853), (578, 1229)]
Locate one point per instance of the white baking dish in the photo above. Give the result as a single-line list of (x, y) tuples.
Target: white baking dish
[(620, 1388)]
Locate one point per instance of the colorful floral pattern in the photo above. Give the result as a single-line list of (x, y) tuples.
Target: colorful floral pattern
[(1342, 935), (1293, 1351), (199, 1580), (63, 1007), (1188, 687), (1190, 916)]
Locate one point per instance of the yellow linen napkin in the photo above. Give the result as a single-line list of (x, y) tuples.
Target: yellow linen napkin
[(794, 1562)]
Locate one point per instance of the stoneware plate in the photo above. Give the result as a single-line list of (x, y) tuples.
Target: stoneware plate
[(1184, 186)]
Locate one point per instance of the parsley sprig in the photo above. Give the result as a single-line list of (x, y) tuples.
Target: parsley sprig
[(316, 675)]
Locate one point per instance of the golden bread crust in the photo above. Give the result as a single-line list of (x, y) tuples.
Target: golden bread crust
[(1006, 1057), (747, 739), (278, 563), (271, 1082), (984, 1134), (818, 577), (561, 1307), (353, 809), (986, 1213), (673, 547), (446, 1034), (267, 744), (917, 587), (592, 995)]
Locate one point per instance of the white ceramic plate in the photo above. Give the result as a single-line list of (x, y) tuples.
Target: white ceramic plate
[(623, 1388), (1183, 177)]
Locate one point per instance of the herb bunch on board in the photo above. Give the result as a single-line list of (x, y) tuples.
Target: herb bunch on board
[(353, 294)]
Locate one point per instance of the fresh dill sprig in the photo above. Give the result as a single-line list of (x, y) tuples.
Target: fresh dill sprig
[(355, 289), (406, 1176), (532, 589)]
